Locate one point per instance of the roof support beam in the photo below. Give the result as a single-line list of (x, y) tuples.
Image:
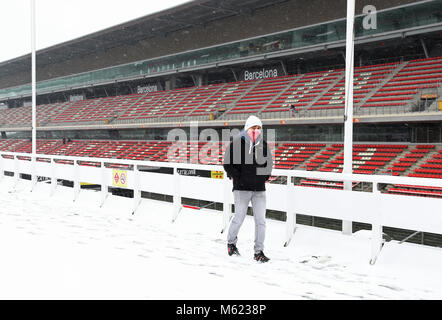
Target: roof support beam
[(424, 47), (284, 69)]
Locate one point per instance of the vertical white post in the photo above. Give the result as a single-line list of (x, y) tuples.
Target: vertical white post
[(16, 171), (376, 228), (176, 194), (34, 95), (137, 192), (53, 176), (290, 213), (77, 185), (348, 116), (104, 185), (33, 171), (2, 168), (227, 210)]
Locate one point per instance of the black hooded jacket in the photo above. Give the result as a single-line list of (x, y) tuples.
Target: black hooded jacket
[(248, 164)]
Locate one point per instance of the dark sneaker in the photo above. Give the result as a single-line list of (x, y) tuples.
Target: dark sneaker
[(260, 257), (232, 249)]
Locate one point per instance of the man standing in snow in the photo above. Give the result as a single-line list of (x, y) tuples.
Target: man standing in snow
[(248, 161)]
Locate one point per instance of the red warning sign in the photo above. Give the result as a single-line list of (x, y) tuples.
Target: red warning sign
[(119, 178)]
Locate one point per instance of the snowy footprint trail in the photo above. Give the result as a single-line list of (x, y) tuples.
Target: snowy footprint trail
[(53, 248)]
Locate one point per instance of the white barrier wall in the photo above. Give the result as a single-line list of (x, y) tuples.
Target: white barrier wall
[(156, 182), (375, 208)]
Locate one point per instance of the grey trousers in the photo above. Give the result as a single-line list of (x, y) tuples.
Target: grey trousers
[(242, 200)]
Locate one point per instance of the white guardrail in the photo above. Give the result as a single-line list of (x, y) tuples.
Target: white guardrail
[(375, 208)]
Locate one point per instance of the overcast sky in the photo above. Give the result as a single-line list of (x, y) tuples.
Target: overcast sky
[(61, 20)]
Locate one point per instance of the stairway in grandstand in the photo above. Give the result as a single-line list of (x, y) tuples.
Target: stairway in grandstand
[(403, 91), (382, 89)]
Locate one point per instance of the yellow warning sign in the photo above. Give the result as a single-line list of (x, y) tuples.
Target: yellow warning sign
[(119, 178), (216, 174)]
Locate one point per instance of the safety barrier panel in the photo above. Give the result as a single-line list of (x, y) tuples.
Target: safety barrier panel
[(375, 208)]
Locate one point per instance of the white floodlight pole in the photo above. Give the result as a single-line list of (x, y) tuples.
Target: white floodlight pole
[(348, 114), (34, 94)]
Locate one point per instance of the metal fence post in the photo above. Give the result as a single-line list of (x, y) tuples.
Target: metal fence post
[(53, 177), (16, 171), (2, 168), (33, 171), (376, 229), (290, 214), (76, 180), (104, 186), (137, 192), (176, 194), (227, 210)]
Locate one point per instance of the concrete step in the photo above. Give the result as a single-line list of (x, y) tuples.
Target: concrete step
[(395, 159), (358, 106), (311, 103), (419, 162), (225, 116), (278, 95)]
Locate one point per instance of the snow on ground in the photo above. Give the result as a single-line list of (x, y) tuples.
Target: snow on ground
[(53, 248)]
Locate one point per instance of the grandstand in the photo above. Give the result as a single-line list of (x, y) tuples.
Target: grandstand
[(123, 107), (393, 88)]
